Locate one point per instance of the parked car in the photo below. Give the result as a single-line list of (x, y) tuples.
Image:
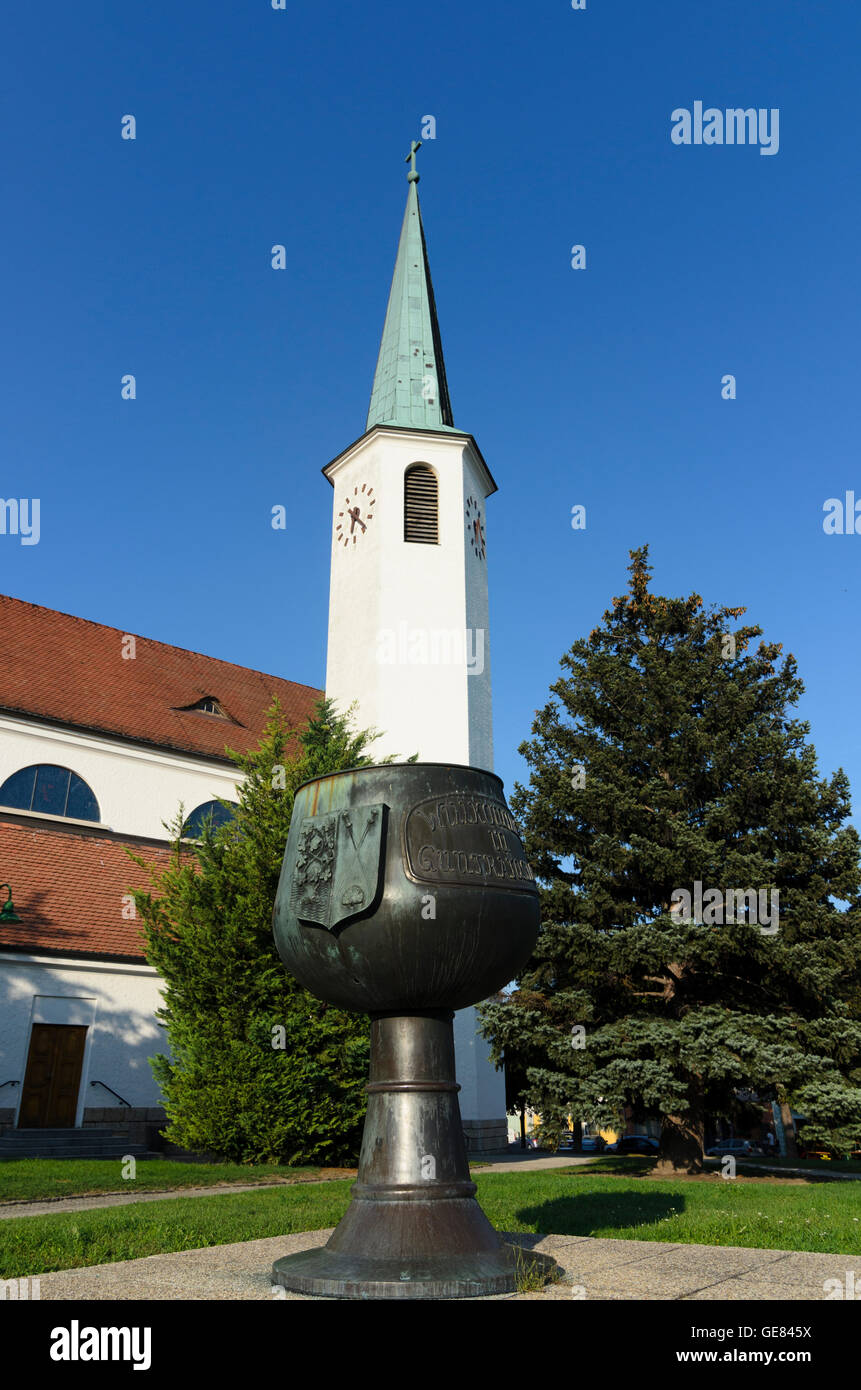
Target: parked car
[(566, 1144), (593, 1144), (635, 1144), (738, 1148)]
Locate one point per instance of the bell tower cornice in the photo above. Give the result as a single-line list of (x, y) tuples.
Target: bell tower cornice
[(401, 432)]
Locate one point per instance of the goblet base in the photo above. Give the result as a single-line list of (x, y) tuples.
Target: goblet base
[(331, 1274)]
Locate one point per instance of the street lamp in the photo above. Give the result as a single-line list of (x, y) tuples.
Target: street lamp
[(7, 911)]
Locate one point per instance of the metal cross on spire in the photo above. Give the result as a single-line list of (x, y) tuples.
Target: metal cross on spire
[(413, 176)]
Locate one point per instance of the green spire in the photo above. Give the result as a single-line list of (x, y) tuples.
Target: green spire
[(410, 386)]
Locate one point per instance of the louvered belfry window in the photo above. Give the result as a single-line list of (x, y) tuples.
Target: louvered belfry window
[(421, 505)]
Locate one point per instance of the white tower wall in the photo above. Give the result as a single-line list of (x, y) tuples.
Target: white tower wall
[(408, 623)]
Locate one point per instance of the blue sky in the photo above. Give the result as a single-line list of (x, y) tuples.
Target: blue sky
[(600, 387)]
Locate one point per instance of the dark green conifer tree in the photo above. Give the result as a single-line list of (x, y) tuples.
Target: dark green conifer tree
[(669, 755)]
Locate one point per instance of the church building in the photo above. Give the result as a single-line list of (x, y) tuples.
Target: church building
[(103, 735)]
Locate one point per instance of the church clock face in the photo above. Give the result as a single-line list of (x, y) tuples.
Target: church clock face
[(356, 515), (475, 527)]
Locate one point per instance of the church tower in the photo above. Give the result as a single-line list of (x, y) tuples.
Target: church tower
[(408, 604)]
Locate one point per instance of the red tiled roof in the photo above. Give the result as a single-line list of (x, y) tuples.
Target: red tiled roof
[(72, 671), (68, 887)]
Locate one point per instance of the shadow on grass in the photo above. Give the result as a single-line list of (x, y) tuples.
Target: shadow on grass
[(600, 1213)]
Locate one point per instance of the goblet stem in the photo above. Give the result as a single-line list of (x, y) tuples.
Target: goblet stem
[(413, 1228), (413, 1154)]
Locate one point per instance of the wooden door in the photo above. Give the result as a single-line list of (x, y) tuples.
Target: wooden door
[(53, 1077)]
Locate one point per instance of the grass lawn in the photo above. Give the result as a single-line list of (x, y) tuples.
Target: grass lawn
[(818, 1216), (35, 1179), (763, 1215)]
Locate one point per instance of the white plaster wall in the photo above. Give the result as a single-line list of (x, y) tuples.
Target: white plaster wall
[(137, 788), (482, 1087), (412, 592), (117, 1003)]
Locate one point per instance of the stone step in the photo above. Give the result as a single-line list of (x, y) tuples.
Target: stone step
[(69, 1143), (14, 1145), (117, 1151), (66, 1143), (67, 1135)]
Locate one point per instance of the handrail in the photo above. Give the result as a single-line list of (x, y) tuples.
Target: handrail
[(9, 1083), (113, 1093)]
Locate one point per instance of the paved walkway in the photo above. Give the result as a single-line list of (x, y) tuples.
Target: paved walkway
[(120, 1199), (51, 1205), (592, 1268), (513, 1163)]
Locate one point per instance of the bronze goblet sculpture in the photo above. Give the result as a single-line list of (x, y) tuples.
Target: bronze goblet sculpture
[(405, 894)]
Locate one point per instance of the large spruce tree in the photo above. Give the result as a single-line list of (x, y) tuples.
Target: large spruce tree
[(260, 1070), (669, 755)]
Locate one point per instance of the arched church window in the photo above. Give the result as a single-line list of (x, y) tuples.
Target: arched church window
[(214, 812), (421, 505), (53, 791)]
